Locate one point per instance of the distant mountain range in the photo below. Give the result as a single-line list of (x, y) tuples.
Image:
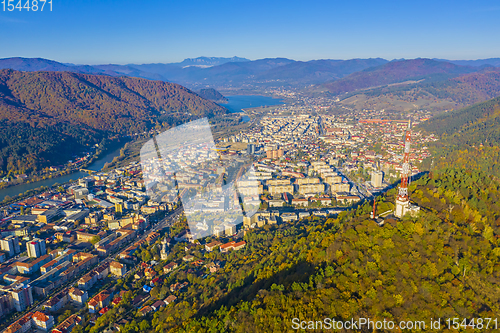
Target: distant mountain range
[(437, 92), (396, 72), (495, 62), (299, 73), (40, 64), (209, 61), (235, 72), (341, 78), (46, 117), (214, 72), (210, 71)]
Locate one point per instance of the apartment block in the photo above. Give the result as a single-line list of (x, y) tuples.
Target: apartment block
[(36, 248), (10, 244), (311, 189)]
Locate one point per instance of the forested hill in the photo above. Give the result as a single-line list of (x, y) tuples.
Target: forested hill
[(394, 72), (478, 118), (212, 94), (41, 110), (470, 137), (444, 263)]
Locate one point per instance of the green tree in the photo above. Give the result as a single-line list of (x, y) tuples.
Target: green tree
[(144, 325), (95, 240)]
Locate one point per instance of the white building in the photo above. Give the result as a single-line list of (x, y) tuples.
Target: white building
[(36, 248), (377, 178), (10, 244)]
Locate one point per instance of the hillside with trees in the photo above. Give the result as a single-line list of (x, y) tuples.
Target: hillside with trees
[(444, 264), (464, 90), (470, 137), (212, 95), (440, 92), (46, 117), (394, 72)]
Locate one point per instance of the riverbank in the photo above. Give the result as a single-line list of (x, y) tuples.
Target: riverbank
[(99, 152), (16, 192), (129, 153)]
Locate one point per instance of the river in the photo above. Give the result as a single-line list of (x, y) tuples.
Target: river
[(96, 165), (236, 103)]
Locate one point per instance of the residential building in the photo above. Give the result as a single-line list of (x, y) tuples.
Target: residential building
[(278, 182), (311, 189), (57, 301), (22, 296), (218, 231), (305, 181), (99, 301), (288, 217), (340, 187), (10, 244), (333, 179), (145, 310), (36, 248), (42, 321), (276, 203), (230, 229), (117, 268), (377, 178), (300, 202), (169, 267), (232, 246), (170, 299), (157, 305), (32, 321), (280, 189), (212, 245), (67, 325), (274, 153), (78, 296), (250, 148)]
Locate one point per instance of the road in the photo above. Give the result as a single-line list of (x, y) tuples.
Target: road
[(358, 189), (166, 221)]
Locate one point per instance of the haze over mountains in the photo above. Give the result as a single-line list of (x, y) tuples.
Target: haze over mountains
[(208, 61), (397, 71), (235, 72), (262, 72), (400, 85), (480, 62)]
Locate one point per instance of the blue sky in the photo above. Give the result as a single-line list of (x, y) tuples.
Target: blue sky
[(107, 31)]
